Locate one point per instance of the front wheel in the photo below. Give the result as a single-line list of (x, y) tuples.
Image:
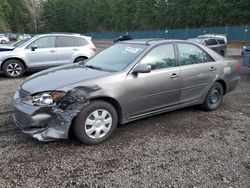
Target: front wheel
[(213, 98), (13, 68), (79, 59), (95, 123)]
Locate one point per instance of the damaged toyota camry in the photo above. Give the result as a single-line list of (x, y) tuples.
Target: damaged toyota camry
[(125, 82)]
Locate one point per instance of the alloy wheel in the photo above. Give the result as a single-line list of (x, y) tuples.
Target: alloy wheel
[(14, 69)]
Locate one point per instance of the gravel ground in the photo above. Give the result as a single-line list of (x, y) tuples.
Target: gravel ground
[(184, 148)]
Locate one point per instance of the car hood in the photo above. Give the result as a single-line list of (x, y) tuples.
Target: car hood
[(6, 47), (56, 78)]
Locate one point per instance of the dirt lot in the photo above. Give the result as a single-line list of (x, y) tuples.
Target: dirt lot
[(184, 148)]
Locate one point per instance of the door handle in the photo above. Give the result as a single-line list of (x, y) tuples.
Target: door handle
[(52, 51), (75, 49), (174, 75), (212, 69)]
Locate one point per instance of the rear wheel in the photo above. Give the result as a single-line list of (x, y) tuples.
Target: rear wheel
[(213, 98), (222, 53), (3, 42), (79, 59), (95, 123), (13, 68)]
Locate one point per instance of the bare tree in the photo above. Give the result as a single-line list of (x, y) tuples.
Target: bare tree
[(35, 8)]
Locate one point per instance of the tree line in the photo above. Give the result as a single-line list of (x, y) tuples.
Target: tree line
[(39, 16)]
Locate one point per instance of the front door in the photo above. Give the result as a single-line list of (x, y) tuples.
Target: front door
[(159, 89), (45, 54)]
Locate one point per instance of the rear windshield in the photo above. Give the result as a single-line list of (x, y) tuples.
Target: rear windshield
[(116, 57)]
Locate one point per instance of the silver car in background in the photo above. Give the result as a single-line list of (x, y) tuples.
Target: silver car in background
[(218, 44), (125, 82), (45, 51), (3, 39)]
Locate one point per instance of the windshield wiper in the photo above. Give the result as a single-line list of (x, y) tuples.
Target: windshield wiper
[(94, 67)]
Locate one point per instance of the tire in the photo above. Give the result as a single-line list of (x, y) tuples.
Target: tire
[(79, 59), (89, 122), (222, 53), (13, 68), (3, 42), (214, 97)]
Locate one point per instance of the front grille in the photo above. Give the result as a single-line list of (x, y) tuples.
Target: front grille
[(23, 94)]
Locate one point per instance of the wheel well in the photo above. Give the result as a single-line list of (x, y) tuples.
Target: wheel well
[(222, 52), (18, 59), (85, 57), (114, 103), (223, 83)]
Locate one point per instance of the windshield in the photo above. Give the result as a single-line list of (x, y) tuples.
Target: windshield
[(116, 57), (19, 43)]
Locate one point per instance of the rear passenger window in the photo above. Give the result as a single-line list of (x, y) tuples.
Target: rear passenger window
[(221, 41), (78, 41), (190, 54), (160, 57), (211, 42), (64, 41)]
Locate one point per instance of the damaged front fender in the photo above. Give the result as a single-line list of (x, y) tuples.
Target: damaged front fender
[(52, 122), (62, 114)]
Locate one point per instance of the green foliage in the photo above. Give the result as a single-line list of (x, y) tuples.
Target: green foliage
[(120, 15)]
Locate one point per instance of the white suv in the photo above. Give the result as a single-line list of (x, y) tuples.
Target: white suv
[(3, 39), (45, 51)]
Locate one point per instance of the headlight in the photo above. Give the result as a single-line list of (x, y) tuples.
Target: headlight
[(44, 99)]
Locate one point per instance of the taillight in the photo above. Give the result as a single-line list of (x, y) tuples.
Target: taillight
[(238, 65), (93, 49)]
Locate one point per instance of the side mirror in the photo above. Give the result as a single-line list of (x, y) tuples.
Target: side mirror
[(34, 47), (142, 68)]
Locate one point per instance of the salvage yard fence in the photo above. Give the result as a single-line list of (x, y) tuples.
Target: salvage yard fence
[(234, 33)]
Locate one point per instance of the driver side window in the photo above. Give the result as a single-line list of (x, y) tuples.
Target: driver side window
[(44, 42), (160, 57)]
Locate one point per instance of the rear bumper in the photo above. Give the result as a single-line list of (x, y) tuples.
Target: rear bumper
[(232, 83)]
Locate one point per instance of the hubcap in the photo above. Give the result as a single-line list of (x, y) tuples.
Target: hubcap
[(14, 69), (98, 124), (214, 96)]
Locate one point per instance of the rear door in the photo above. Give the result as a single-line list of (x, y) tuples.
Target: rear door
[(44, 55), (159, 89), (66, 49), (198, 71)]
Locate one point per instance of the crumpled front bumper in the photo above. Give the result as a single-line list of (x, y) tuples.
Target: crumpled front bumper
[(45, 123)]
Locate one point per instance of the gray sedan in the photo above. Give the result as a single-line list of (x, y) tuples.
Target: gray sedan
[(127, 81)]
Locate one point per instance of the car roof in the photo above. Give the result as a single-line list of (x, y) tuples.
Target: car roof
[(218, 37), (199, 40), (64, 34), (150, 41)]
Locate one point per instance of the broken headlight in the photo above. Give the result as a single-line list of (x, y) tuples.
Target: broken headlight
[(44, 99)]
